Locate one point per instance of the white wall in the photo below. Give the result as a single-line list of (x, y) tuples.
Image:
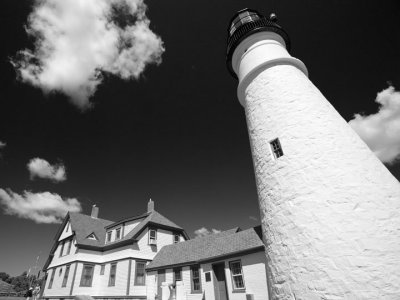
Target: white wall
[(67, 231), (129, 226), (254, 276)]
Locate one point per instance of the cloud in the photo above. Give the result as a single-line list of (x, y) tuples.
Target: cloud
[(381, 131), (204, 231), (2, 146), (43, 169), (78, 41), (39, 207), (253, 218)]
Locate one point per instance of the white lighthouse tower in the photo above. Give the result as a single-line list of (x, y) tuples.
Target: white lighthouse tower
[(330, 209)]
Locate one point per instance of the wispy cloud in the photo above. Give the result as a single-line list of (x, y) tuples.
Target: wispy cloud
[(381, 131), (253, 218), (2, 146), (204, 231), (39, 207), (41, 168), (76, 41)]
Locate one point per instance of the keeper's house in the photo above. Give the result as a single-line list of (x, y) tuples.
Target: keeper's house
[(134, 257)]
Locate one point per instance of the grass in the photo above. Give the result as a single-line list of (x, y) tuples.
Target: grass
[(12, 298)]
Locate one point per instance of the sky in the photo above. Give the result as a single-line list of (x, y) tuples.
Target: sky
[(115, 113)]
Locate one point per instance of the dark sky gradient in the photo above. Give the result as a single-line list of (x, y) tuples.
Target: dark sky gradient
[(178, 135)]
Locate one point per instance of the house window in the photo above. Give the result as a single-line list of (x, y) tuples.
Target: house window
[(102, 267), (62, 248), (196, 282), (113, 272), (87, 275), (176, 238), (140, 278), (109, 236), (92, 236), (177, 274), (64, 283), (152, 237), (237, 275), (118, 233), (276, 148), (69, 247), (60, 272), (51, 279)]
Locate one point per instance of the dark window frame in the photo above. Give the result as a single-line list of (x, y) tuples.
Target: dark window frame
[(66, 274), (102, 269), (193, 269), (113, 275), (136, 273), (62, 248), (82, 283), (175, 271), (234, 288), (118, 230), (177, 235), (276, 148), (69, 247), (53, 272)]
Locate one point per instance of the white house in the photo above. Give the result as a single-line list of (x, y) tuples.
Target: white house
[(134, 257), (228, 265), (106, 259)]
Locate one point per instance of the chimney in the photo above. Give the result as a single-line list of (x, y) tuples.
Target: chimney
[(95, 212), (150, 206)]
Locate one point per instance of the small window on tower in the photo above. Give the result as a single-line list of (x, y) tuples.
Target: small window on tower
[(276, 148)]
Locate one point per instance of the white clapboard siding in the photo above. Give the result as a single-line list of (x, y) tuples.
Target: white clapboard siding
[(67, 232), (129, 226)]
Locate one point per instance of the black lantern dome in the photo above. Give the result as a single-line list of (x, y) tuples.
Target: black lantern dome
[(245, 23)]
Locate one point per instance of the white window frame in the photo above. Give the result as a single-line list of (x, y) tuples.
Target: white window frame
[(111, 282), (152, 241), (235, 288), (119, 229), (109, 236)]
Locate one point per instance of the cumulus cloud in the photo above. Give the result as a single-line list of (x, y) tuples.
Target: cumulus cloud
[(77, 41), (41, 168), (204, 231), (381, 131), (39, 207)]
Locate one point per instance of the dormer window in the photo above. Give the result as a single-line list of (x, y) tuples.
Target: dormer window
[(176, 238), (92, 236), (109, 236), (118, 233), (152, 237)]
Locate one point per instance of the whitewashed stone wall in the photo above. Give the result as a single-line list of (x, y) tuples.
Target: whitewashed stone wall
[(330, 209)]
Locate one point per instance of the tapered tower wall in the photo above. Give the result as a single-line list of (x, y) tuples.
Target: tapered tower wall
[(330, 209)]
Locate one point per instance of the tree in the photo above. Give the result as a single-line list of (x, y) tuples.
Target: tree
[(4, 276)]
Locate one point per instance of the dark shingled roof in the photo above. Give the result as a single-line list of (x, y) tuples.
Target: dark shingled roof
[(84, 225), (206, 248)]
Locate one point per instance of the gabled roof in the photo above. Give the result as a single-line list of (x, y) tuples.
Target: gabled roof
[(84, 225), (207, 248)]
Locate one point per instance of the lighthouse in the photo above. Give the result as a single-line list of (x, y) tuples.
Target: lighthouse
[(330, 209)]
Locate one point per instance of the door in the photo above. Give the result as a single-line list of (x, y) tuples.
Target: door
[(220, 290), (160, 280)]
